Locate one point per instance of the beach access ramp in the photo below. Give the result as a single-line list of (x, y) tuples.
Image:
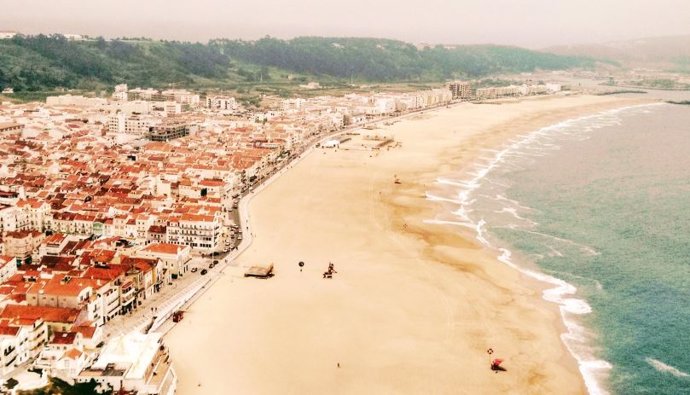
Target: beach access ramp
[(260, 271)]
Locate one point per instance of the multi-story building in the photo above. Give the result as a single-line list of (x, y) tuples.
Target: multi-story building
[(60, 291), (135, 124), (13, 352), (120, 93), (145, 274), (36, 320), (461, 90), (173, 257), (181, 96), (169, 129), (8, 218), (53, 245), (221, 103), (8, 267), (33, 213), (21, 244), (200, 232)]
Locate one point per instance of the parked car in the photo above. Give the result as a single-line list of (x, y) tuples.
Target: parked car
[(203, 271)]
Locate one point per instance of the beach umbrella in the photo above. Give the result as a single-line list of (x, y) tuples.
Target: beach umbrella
[(497, 362), (301, 265)]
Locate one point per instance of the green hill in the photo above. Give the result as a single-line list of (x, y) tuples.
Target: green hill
[(40, 63), (390, 60)]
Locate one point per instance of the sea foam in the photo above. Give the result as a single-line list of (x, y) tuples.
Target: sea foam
[(664, 368)]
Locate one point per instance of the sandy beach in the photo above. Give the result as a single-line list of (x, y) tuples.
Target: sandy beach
[(412, 308)]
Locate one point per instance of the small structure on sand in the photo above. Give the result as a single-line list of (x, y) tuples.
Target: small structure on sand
[(333, 143), (260, 271)]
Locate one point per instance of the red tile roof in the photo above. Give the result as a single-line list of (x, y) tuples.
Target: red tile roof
[(33, 313), (86, 331), (64, 338), (163, 248)]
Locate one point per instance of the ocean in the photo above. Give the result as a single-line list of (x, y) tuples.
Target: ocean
[(599, 208)]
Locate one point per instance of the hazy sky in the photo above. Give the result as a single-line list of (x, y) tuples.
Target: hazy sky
[(529, 23)]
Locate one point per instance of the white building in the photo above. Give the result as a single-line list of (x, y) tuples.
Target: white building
[(8, 267), (221, 103), (73, 37), (133, 362), (81, 101), (13, 347), (130, 124), (120, 93), (8, 219), (200, 232), (175, 258), (181, 96)]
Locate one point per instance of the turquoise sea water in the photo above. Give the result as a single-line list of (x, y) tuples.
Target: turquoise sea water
[(601, 206)]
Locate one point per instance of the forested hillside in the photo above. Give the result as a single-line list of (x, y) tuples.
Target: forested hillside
[(34, 63), (390, 60)]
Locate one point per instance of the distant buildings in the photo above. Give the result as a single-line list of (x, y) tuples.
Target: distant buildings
[(180, 96), (515, 90), (461, 90), (221, 103), (120, 93), (6, 127), (81, 101), (73, 37)]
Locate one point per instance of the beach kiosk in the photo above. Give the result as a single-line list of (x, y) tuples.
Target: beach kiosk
[(260, 271)]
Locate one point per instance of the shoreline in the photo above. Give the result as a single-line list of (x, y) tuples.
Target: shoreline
[(403, 213), (554, 290)]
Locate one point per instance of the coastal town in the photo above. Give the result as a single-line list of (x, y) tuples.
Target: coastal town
[(114, 212), (314, 197)]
